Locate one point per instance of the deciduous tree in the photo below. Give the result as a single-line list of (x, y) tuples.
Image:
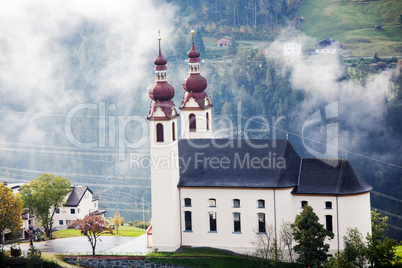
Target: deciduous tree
[(380, 248), (310, 236), (92, 226), (287, 238), (43, 195), (117, 221), (10, 211), (354, 253)]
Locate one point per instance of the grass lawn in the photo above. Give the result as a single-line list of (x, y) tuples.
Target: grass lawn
[(123, 231), (209, 258), (352, 23), (399, 251), (199, 257), (218, 262)]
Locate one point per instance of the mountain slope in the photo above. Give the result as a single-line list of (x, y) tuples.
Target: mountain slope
[(351, 22)]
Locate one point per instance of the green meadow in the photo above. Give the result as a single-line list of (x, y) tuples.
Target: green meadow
[(351, 22)]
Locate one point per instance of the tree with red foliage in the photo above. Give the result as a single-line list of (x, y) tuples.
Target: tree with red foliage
[(92, 226)]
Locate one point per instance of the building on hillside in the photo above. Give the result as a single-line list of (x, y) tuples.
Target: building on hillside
[(78, 204), (223, 193), (292, 49), (224, 41), (328, 46)]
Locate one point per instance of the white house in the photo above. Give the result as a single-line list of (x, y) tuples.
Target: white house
[(224, 192), (292, 49), (78, 204)]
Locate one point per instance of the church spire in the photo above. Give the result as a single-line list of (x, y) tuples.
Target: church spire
[(196, 109), (195, 84), (161, 93)]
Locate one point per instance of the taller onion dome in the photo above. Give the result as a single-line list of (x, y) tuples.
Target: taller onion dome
[(195, 84), (161, 93)]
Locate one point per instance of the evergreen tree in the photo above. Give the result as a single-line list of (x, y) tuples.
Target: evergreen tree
[(310, 235), (233, 46), (180, 45), (199, 42)]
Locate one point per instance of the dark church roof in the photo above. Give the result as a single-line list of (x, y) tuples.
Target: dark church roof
[(76, 195), (263, 164), (238, 163), (325, 176)]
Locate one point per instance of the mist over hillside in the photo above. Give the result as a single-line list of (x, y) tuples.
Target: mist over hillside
[(74, 81)]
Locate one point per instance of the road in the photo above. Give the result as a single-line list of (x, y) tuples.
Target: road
[(80, 245)]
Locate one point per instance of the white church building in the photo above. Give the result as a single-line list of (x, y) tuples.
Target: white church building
[(222, 193)]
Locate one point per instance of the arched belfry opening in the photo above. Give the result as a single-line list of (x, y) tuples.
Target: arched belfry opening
[(159, 132), (193, 122)]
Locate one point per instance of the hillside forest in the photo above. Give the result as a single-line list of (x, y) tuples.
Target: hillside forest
[(250, 86)]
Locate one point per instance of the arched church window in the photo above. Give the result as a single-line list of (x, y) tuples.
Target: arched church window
[(207, 121), (193, 125), (187, 202), (304, 203), (212, 221), (261, 222), (173, 132), (159, 132), (212, 202), (328, 220), (187, 221), (328, 205), (236, 222), (236, 203)]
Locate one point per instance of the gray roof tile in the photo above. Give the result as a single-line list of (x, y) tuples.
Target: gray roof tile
[(202, 165)]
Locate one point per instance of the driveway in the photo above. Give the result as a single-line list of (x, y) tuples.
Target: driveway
[(80, 245)]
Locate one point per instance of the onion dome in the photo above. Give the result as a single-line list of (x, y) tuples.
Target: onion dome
[(161, 93), (193, 55), (160, 61), (194, 82)]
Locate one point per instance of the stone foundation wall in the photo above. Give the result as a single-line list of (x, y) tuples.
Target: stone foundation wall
[(118, 263)]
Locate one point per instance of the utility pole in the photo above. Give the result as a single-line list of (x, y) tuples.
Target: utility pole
[(143, 217)]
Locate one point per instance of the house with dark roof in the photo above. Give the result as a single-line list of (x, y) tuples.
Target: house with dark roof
[(224, 193), (328, 46), (78, 204)]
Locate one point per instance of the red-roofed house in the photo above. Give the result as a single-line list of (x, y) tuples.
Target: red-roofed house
[(224, 41)]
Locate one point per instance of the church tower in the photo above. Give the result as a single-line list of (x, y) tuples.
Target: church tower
[(164, 161), (196, 110)]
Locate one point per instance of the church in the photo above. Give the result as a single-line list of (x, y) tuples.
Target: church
[(222, 193)]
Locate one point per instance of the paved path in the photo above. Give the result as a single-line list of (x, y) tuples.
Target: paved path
[(80, 245)]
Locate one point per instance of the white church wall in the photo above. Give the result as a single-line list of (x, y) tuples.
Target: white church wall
[(350, 211), (164, 191), (354, 211), (317, 202), (225, 237), (202, 132)]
